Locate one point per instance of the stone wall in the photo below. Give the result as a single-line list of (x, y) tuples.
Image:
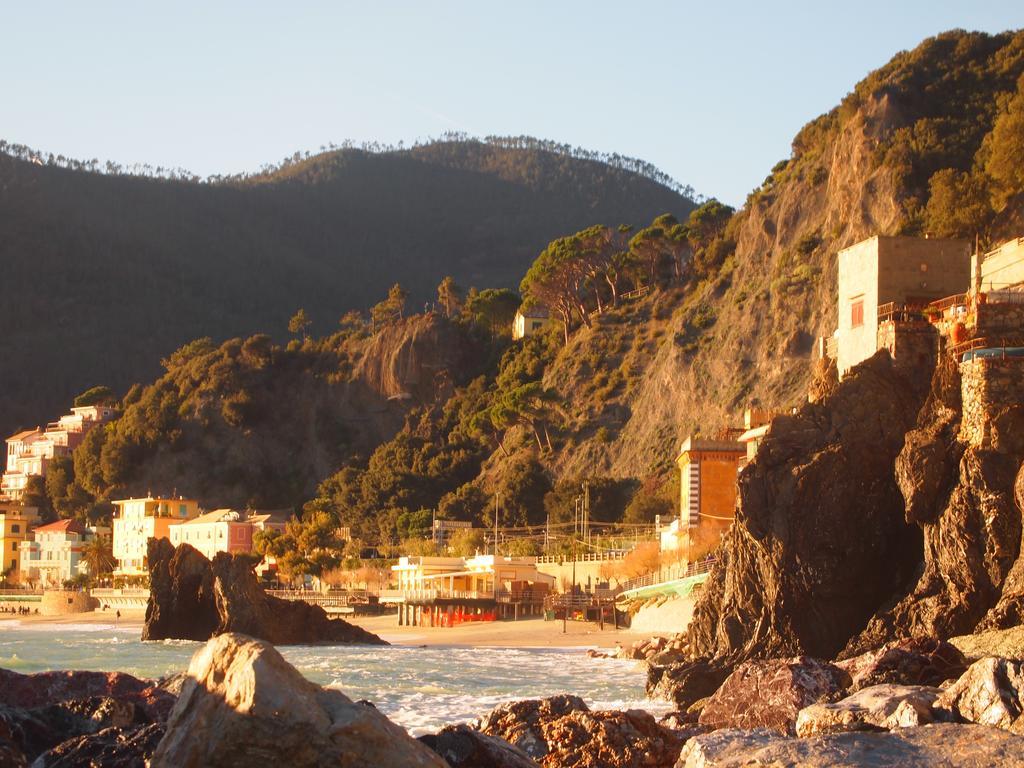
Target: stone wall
[(999, 321), (60, 602), (912, 344), (988, 386)]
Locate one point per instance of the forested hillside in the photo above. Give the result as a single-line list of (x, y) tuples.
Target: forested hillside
[(657, 331), (106, 273)]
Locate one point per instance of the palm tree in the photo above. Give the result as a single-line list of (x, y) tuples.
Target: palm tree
[(98, 556)]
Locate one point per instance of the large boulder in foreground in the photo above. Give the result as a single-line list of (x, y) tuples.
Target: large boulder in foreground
[(191, 598), (934, 746), (877, 708), (820, 540), (771, 693), (245, 705), (990, 692), (916, 661)]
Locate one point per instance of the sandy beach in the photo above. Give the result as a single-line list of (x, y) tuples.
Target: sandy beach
[(526, 633)]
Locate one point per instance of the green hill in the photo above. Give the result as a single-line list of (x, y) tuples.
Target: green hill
[(105, 274)]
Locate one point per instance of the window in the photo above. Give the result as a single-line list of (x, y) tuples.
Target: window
[(15, 528), (857, 313)]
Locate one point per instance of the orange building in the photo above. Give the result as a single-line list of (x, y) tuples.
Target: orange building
[(708, 471)]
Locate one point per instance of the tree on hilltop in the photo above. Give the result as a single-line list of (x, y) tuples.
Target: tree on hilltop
[(449, 296), (100, 395), (299, 324)]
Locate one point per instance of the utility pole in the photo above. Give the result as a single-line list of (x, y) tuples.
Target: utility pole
[(494, 551)]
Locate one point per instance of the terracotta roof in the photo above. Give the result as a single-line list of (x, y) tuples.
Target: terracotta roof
[(23, 435), (63, 526)]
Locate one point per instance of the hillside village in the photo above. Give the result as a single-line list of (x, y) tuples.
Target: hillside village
[(915, 299)]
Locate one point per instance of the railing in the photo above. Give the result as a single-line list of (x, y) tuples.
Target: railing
[(20, 592), (972, 345), (586, 557), (122, 592), (669, 574), (956, 300), (636, 293), (429, 595), (901, 313)]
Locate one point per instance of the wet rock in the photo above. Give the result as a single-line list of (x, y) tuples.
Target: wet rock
[(519, 722), (465, 747), (820, 539), (35, 730), (181, 603), (245, 705), (990, 692), (687, 682), (44, 688), (916, 661), (943, 745), (109, 748), (189, 589), (879, 707), (1006, 643), (771, 693)]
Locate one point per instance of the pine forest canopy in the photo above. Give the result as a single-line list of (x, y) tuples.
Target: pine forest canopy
[(107, 269)]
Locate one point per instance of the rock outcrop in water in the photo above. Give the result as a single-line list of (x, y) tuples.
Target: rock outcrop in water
[(181, 603), (243, 704), (820, 540), (193, 599)]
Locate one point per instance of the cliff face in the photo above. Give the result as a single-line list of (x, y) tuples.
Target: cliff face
[(957, 473), (820, 536), (235, 426), (877, 514)]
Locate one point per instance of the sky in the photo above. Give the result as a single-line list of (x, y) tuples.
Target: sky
[(711, 93)]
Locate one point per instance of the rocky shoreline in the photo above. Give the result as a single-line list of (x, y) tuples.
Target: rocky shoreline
[(920, 702)]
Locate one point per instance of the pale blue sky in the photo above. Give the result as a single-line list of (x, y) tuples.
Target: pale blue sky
[(712, 93)]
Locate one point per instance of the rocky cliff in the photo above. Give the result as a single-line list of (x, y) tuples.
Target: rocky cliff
[(193, 599), (820, 537)]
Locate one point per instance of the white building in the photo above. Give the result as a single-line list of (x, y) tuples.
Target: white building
[(55, 552)]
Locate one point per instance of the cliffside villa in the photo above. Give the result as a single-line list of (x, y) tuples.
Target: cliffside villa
[(30, 452)]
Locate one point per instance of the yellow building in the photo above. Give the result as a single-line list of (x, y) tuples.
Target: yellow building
[(139, 520), (15, 523), (707, 491)]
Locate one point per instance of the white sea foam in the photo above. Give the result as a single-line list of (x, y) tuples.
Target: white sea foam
[(422, 688)]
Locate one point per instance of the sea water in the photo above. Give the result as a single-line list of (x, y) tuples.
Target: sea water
[(422, 688)]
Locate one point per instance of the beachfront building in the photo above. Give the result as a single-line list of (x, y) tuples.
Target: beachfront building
[(16, 523), (707, 501), (528, 321), (54, 553), (443, 530), (882, 277), (222, 530), (479, 576), (30, 452), (136, 521)]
